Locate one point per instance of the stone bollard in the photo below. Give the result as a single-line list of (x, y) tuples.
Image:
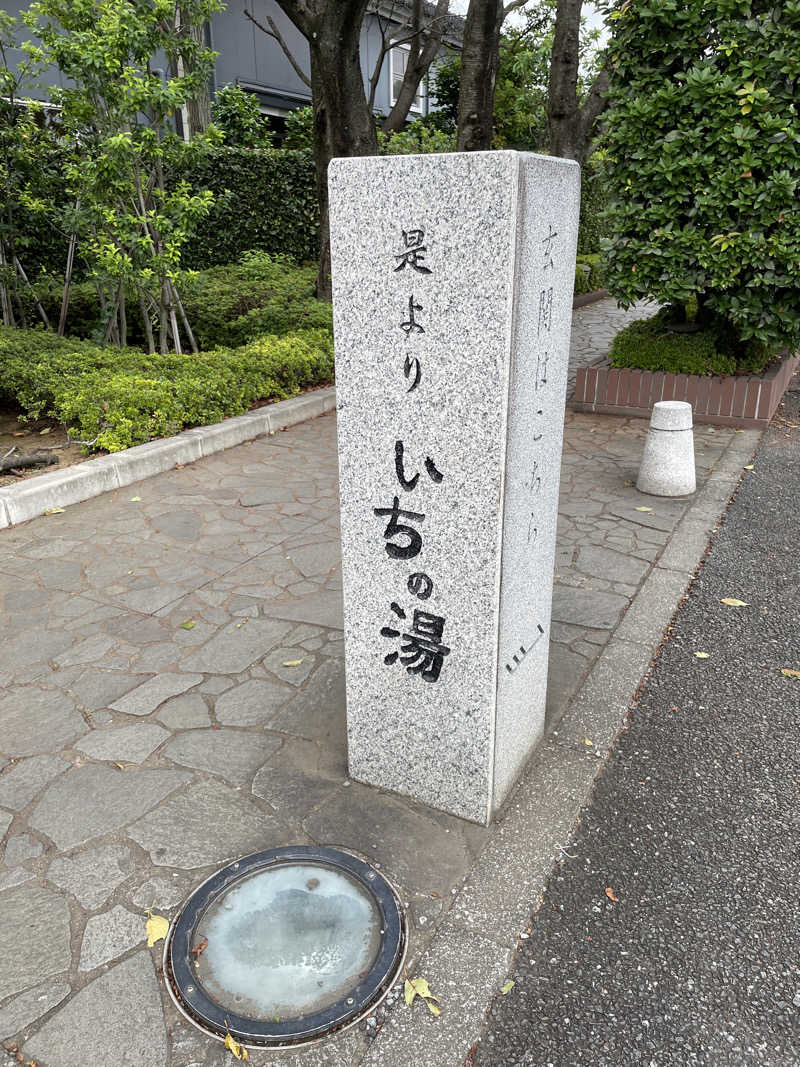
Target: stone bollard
[(668, 462)]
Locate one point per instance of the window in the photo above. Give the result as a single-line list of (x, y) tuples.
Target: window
[(398, 61)]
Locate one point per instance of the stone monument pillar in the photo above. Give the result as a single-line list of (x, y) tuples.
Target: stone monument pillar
[(452, 281)]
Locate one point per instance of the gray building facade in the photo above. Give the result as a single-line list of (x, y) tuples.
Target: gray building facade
[(255, 61)]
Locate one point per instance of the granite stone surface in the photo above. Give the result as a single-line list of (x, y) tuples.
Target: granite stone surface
[(453, 282), (39, 919)]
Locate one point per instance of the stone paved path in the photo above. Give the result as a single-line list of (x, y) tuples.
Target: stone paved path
[(150, 728)]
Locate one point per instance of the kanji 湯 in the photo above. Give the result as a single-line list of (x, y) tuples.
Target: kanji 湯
[(421, 649)]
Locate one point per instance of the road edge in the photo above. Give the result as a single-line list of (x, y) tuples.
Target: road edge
[(473, 949)]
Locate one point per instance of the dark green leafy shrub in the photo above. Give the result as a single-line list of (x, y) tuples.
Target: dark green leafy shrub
[(588, 277), (648, 344), (237, 116), (115, 398), (703, 163), (263, 200), (225, 305)]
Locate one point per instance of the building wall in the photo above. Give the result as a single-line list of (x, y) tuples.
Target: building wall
[(254, 60)]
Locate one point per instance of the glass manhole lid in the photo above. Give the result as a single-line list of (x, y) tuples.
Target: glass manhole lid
[(286, 946)]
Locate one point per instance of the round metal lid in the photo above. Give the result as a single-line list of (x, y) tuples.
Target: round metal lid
[(285, 946)]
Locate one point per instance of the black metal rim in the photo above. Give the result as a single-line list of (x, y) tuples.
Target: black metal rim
[(209, 1015)]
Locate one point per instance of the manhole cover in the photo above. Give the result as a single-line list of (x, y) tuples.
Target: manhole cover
[(285, 946)]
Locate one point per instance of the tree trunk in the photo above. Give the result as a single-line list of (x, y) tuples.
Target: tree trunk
[(343, 125), (421, 55), (199, 107), (571, 126), (480, 59)]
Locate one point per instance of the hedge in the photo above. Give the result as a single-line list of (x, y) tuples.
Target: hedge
[(265, 200), (648, 344), (112, 398)]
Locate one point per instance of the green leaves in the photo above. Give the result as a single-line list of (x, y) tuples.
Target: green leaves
[(703, 132)]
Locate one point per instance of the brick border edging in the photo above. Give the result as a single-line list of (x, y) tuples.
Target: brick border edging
[(589, 298), (59, 489), (745, 402)]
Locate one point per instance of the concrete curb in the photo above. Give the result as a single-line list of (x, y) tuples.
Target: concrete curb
[(589, 298), (473, 949), (59, 489)]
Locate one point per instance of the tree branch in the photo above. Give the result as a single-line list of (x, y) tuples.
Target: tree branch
[(273, 31)]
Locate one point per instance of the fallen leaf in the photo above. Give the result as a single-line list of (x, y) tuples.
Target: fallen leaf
[(749, 466), (157, 927), (732, 602), (611, 895), (54, 511), (789, 673), (188, 625), (18, 433), (135, 499), (644, 509), (506, 989), (418, 987), (121, 766), (199, 949), (586, 741), (627, 483), (703, 655), (433, 1008), (47, 429), (292, 663), (239, 1051)]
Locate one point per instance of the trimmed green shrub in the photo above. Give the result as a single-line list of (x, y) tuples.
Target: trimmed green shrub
[(648, 344), (113, 398), (263, 200), (703, 166)]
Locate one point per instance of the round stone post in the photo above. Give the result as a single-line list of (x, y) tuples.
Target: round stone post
[(668, 462)]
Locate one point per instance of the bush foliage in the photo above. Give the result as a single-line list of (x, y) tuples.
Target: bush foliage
[(703, 164), (648, 344), (226, 305), (113, 398)]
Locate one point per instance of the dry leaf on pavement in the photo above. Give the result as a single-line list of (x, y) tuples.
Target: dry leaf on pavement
[(506, 989), (732, 602), (612, 895), (157, 927), (292, 663), (790, 673), (703, 655), (418, 987)]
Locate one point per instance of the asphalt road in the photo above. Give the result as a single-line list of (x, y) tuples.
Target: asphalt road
[(694, 828)]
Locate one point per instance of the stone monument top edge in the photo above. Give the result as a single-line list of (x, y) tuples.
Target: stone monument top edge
[(348, 162)]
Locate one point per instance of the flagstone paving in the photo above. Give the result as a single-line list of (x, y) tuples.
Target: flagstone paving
[(174, 698)]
